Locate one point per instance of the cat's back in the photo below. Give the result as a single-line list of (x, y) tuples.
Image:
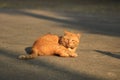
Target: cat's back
[(47, 39)]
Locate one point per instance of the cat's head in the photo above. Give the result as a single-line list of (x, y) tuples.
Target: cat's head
[(70, 40)]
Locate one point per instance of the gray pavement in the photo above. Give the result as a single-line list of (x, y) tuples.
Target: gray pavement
[(99, 50)]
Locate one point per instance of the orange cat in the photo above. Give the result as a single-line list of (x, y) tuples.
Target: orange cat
[(50, 44)]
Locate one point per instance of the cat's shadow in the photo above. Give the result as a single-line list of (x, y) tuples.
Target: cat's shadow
[(28, 50)]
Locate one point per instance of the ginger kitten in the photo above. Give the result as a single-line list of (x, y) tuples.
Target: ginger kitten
[(49, 44)]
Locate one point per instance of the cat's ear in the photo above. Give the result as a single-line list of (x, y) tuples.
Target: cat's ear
[(66, 32)]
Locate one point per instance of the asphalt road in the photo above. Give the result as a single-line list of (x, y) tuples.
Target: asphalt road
[(99, 50)]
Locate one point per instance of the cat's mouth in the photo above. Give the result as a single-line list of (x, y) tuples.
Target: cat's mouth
[(72, 47)]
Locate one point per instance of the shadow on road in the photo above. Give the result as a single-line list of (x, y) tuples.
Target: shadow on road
[(28, 50), (105, 25), (12, 69), (109, 54)]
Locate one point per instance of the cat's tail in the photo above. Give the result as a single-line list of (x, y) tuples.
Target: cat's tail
[(25, 57)]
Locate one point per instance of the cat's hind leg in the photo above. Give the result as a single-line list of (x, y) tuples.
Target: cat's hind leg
[(67, 54), (61, 51)]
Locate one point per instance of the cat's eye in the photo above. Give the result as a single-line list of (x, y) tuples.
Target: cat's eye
[(73, 40), (67, 39)]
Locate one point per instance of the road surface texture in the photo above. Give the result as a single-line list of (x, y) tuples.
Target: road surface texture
[(99, 50)]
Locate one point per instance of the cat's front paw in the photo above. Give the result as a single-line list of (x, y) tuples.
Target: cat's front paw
[(73, 55), (64, 55)]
